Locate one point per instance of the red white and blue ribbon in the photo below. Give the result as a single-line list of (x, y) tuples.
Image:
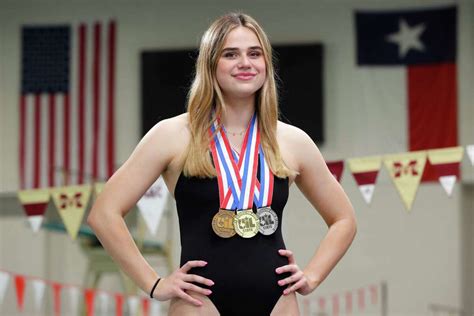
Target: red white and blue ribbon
[(239, 179)]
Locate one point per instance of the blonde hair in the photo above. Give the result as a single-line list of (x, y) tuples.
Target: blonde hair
[(205, 100)]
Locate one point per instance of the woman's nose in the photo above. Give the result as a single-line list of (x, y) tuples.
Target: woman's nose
[(244, 61)]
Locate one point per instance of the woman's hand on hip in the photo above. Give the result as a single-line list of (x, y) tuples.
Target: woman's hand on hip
[(177, 283), (297, 281)]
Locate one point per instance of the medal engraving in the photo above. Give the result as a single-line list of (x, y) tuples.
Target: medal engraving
[(223, 224), (246, 223), (268, 220)]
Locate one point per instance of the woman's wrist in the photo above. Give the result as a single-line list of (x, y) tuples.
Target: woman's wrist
[(313, 280), (153, 289)]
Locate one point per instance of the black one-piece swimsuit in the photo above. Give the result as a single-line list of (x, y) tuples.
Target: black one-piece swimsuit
[(243, 270)]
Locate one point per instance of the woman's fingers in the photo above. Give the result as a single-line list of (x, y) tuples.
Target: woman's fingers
[(295, 286), (295, 277), (192, 264), (287, 268), (189, 298), (197, 278), (287, 253), (197, 289)]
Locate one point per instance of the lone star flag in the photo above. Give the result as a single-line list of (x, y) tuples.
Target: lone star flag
[(424, 42), (66, 105)]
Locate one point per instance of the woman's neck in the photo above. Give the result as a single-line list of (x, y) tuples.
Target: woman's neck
[(238, 114)]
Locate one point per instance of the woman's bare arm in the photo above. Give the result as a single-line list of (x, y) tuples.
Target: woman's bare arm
[(324, 192), (121, 192)]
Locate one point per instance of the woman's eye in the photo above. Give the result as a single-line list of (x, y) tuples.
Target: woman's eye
[(255, 54), (230, 55)]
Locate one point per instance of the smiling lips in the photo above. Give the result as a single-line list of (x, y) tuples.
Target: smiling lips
[(244, 75)]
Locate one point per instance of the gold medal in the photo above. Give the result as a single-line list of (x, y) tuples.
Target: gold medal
[(223, 223), (246, 223)]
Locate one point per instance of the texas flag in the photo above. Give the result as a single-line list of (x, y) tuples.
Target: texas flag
[(423, 42)]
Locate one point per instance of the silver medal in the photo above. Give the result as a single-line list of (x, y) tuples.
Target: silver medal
[(268, 220)]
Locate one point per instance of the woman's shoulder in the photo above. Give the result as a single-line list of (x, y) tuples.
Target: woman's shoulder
[(292, 134)]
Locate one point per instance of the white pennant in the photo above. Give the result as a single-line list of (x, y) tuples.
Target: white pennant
[(4, 278), (133, 304), (35, 222), (367, 191), (103, 303), (470, 153), (74, 299), (152, 204), (155, 308), (38, 287), (448, 183)]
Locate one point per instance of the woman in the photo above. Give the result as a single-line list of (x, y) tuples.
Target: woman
[(225, 158)]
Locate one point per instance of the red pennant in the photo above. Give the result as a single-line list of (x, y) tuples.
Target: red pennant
[(336, 168), (361, 295), (373, 294), (146, 306), (89, 295), (348, 302), (335, 305), (322, 303), (118, 305), (20, 290), (306, 303), (57, 298)]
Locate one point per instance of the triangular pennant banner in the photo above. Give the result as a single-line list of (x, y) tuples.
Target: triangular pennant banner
[(365, 171), (98, 187), (336, 168), (133, 302), (146, 306), (4, 279), (406, 170), (118, 305), (38, 288), (446, 163), (103, 303), (335, 305), (34, 203), (373, 294), (348, 302), (57, 298), (470, 153), (361, 299), (71, 202), (89, 295), (152, 204), (20, 285), (73, 299), (155, 308)]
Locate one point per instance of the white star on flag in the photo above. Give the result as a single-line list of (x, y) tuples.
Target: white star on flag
[(407, 38)]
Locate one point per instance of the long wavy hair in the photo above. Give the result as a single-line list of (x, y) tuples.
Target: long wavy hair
[(206, 102)]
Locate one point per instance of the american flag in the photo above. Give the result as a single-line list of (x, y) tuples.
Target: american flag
[(67, 104)]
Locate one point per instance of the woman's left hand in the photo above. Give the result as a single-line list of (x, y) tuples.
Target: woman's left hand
[(297, 281)]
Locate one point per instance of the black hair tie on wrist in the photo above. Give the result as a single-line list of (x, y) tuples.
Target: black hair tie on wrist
[(153, 288)]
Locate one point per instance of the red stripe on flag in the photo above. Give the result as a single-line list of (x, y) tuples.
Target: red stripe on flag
[(37, 141), (96, 98), (432, 109), (22, 140), (111, 100), (52, 139), (67, 138), (81, 101)]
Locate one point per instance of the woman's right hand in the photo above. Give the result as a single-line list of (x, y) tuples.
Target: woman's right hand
[(177, 283)]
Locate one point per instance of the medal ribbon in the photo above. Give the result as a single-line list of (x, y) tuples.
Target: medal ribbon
[(239, 185)]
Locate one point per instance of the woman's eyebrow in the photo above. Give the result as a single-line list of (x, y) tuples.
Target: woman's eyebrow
[(236, 49)]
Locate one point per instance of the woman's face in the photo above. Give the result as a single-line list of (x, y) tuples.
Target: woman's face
[(241, 66)]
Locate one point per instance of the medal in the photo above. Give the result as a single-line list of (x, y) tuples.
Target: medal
[(223, 223), (246, 223), (237, 182), (268, 220)]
